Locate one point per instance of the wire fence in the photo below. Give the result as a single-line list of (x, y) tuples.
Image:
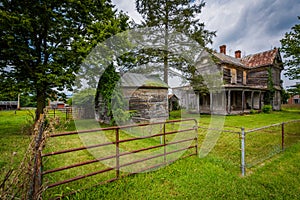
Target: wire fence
[(225, 146), (64, 113), (243, 148), (265, 142)]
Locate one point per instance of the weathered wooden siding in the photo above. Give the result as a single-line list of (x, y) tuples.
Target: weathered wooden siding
[(258, 78), (149, 104)]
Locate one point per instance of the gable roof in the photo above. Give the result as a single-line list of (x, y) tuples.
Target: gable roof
[(260, 59), (251, 61), (172, 95), (229, 60), (141, 80)]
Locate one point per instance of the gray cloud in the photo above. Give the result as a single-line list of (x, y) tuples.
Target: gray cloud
[(250, 25)]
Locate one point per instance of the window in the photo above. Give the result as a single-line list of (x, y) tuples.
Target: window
[(233, 76)]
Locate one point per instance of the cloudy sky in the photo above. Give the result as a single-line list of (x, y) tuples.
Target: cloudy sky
[(248, 25)]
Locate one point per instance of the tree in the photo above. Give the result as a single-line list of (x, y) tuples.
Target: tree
[(174, 16), (294, 90), (43, 42), (284, 96), (109, 101), (290, 46)]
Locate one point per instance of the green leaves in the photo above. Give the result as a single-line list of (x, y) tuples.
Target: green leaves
[(291, 49), (43, 42), (173, 19)]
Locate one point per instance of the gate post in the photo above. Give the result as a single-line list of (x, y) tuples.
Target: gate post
[(117, 154), (243, 171), (165, 148), (196, 138), (282, 136)]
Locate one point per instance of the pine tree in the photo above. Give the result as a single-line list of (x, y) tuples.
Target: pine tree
[(180, 16), (291, 49)]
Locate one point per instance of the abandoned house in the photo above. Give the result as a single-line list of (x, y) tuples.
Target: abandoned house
[(247, 84)]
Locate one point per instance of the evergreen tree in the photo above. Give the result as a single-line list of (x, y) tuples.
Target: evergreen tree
[(291, 49), (171, 16), (43, 42)]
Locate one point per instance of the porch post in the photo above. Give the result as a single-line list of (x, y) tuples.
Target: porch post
[(229, 102), (198, 101), (243, 101), (211, 102), (259, 97), (252, 100), (187, 100)]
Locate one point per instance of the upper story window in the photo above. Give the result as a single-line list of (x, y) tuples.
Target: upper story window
[(226, 76), (239, 76), (233, 76)]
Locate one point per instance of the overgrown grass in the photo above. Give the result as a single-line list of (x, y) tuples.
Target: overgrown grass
[(223, 161), (212, 177), (208, 178), (14, 137)]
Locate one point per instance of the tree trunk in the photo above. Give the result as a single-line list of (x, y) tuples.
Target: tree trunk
[(166, 50), (166, 68), (41, 103)]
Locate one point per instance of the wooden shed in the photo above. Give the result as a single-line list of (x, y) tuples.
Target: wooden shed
[(173, 102), (147, 96)]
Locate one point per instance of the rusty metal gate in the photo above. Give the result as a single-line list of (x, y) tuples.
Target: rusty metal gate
[(169, 135)]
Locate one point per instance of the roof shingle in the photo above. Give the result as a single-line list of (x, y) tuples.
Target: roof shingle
[(260, 59), (251, 61)]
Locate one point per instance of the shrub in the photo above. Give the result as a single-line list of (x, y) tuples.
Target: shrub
[(175, 114), (267, 108)]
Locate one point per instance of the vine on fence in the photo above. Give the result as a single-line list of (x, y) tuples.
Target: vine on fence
[(23, 182)]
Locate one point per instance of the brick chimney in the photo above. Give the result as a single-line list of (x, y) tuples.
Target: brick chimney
[(237, 54), (223, 49)]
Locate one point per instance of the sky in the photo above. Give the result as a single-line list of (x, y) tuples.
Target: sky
[(251, 26)]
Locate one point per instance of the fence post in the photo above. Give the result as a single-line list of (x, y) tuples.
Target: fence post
[(282, 136), (196, 138), (243, 151), (165, 150), (36, 179), (117, 154)]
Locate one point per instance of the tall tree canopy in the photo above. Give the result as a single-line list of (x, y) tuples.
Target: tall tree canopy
[(290, 46), (43, 42), (180, 16)]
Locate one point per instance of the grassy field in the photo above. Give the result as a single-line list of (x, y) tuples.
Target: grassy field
[(14, 137), (225, 158), (213, 177), (208, 178)]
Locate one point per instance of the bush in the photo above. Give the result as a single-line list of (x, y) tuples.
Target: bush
[(267, 108), (252, 111), (175, 114)]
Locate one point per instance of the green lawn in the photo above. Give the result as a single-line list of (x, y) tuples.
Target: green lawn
[(223, 161), (14, 137), (208, 178), (213, 177)]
